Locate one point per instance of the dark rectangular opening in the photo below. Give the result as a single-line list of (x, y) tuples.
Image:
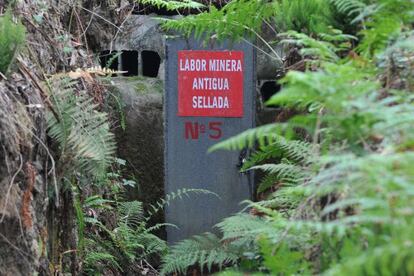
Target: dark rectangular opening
[(149, 9), (268, 89), (150, 63), (129, 62)]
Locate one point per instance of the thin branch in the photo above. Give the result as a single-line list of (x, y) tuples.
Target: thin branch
[(258, 48), (52, 170), (44, 95), (103, 18), (89, 24), (6, 202), (270, 26), (21, 252), (81, 26), (266, 43), (121, 26)]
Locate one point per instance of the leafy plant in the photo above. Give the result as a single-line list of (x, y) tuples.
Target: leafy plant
[(85, 152), (205, 251), (339, 190), (309, 17), (12, 37), (126, 243), (238, 19), (173, 4), (126, 239), (82, 131)]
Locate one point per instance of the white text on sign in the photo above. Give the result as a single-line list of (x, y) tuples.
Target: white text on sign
[(210, 83)]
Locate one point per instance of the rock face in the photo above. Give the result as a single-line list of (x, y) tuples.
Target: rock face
[(141, 144), (270, 55), (23, 194), (141, 34), (268, 63), (34, 232)]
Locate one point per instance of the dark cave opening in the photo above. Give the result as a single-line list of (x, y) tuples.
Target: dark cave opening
[(268, 89), (149, 9), (151, 62), (129, 63)]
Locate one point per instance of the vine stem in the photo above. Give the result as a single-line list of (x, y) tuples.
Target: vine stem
[(6, 202)]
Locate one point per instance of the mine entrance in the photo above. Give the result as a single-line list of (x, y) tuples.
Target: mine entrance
[(129, 63), (151, 61), (268, 89)]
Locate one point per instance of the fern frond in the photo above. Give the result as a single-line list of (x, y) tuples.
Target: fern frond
[(97, 201), (286, 173), (237, 20), (87, 73), (171, 5), (396, 257), (82, 131), (349, 7), (151, 244), (310, 17), (264, 135), (243, 228), (267, 182), (386, 28), (179, 194), (159, 226), (206, 251), (265, 152), (335, 83), (326, 48), (288, 198), (100, 259), (131, 212)]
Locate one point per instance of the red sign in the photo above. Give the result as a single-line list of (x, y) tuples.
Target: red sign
[(210, 83)]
